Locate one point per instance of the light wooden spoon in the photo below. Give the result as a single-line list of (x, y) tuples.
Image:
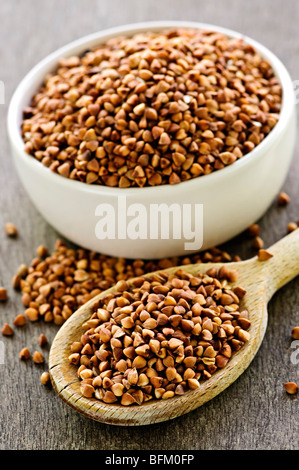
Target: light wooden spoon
[(261, 279)]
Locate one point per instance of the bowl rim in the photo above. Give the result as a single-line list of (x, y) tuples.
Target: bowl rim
[(91, 40)]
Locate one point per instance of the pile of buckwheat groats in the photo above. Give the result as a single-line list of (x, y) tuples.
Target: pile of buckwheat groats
[(158, 337), (152, 109)]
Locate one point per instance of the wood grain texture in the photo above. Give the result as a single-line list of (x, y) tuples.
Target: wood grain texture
[(254, 412)]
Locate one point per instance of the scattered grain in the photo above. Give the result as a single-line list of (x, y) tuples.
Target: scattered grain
[(24, 354), (292, 226), (283, 199), (11, 230), (291, 388), (42, 340), (254, 230), (45, 378), (3, 294), (258, 242), (295, 332), (20, 320), (38, 357), (7, 330), (264, 255)]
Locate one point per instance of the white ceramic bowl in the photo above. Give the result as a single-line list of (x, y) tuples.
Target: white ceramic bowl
[(232, 198)]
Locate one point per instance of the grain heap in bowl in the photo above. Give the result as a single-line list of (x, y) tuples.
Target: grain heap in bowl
[(157, 337), (153, 109)]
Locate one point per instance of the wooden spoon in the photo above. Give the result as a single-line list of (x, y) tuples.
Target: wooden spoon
[(261, 279)]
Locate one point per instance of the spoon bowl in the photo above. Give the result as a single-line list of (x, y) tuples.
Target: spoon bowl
[(261, 279)]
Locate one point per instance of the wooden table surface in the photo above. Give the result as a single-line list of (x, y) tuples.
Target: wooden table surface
[(254, 412)]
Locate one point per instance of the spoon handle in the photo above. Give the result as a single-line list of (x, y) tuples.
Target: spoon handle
[(284, 265)]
